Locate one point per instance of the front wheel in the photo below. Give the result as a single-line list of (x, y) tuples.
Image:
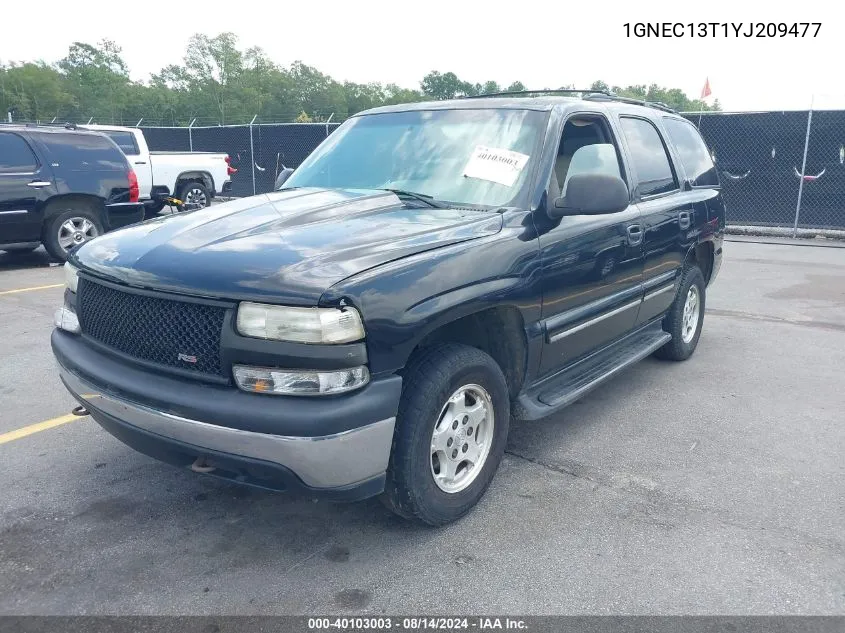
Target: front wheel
[(685, 317), (450, 433)]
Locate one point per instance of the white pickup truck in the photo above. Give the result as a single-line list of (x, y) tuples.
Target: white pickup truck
[(192, 177)]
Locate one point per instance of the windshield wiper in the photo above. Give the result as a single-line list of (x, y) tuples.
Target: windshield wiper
[(421, 197)]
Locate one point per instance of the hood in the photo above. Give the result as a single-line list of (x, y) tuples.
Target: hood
[(283, 247)]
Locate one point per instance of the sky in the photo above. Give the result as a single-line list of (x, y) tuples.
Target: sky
[(542, 44)]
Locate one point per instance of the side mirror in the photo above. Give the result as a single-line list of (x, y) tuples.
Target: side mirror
[(592, 194), (282, 177)]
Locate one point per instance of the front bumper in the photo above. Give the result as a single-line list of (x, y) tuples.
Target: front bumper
[(346, 464)]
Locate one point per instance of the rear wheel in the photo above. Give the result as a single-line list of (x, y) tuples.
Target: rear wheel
[(194, 193), (70, 228), (450, 434), (685, 318)]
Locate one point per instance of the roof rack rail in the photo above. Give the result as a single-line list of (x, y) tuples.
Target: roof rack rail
[(590, 95), (545, 91), (606, 96), (67, 126)]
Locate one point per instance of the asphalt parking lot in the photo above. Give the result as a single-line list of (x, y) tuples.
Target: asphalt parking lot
[(713, 486)]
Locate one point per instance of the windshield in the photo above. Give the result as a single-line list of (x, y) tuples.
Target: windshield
[(474, 157)]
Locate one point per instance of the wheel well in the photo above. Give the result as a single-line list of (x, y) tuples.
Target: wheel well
[(202, 177), (500, 332), (57, 204), (702, 256)]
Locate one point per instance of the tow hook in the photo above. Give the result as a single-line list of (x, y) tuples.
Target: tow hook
[(80, 411), (201, 466)]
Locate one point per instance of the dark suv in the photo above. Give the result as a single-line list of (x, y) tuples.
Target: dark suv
[(61, 187), (429, 272)]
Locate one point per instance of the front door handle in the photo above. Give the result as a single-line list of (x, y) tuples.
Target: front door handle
[(635, 234), (38, 183), (685, 219)]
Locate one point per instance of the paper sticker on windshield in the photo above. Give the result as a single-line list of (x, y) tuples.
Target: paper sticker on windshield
[(496, 165)]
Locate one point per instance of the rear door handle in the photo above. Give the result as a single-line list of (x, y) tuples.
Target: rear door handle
[(635, 234), (140, 162), (39, 183), (685, 219)]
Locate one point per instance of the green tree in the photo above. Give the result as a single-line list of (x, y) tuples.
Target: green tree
[(395, 94), (443, 86), (217, 82), (490, 87), (318, 94), (97, 78), (213, 66), (34, 91)]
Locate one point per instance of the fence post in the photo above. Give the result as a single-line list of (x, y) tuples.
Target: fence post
[(191, 135), (252, 152), (803, 168)]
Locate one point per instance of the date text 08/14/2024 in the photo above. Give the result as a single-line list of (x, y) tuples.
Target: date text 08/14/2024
[(418, 623), (721, 29)]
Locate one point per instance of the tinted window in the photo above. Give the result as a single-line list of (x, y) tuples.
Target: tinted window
[(693, 152), (648, 154), (125, 141), (81, 151), (15, 154)]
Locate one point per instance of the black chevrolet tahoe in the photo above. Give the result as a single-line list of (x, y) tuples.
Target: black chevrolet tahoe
[(61, 187), (428, 273)]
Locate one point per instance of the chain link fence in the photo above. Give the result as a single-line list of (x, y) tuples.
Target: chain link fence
[(259, 152), (778, 169)]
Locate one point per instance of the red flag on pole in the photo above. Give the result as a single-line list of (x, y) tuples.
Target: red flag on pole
[(705, 92)]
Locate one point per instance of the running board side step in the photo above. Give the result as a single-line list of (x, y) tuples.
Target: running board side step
[(561, 389)]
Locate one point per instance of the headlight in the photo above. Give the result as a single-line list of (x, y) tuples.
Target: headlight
[(300, 325), (290, 382), (71, 277), (66, 319)]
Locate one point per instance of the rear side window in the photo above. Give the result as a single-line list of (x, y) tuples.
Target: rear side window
[(83, 151), (16, 155), (125, 141), (649, 157), (693, 153)]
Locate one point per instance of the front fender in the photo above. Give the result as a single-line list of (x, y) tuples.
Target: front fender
[(405, 301)]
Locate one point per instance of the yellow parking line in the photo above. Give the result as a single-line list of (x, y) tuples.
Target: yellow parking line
[(11, 292), (37, 427)]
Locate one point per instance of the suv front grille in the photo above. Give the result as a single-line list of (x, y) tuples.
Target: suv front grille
[(163, 331)]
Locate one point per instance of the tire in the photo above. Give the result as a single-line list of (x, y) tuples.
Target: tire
[(432, 378), (684, 341), (84, 220), (194, 192)]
